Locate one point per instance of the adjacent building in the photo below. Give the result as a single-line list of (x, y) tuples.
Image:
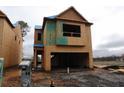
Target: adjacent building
[(10, 42), (63, 41)]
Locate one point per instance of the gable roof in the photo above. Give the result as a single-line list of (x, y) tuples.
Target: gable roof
[(2, 15), (58, 17), (73, 9)]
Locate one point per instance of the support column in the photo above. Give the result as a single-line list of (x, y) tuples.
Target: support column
[(90, 61), (35, 57), (42, 59), (47, 60)]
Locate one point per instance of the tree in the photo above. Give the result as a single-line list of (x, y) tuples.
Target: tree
[(24, 27)]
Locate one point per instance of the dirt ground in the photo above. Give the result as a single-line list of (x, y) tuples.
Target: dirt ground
[(97, 77), (109, 63)]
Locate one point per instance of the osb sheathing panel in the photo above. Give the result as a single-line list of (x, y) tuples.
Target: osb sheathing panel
[(7, 42), (89, 45), (60, 40), (76, 41), (54, 34), (66, 49), (59, 49), (1, 35), (71, 15), (44, 36), (12, 45), (18, 45), (51, 33)]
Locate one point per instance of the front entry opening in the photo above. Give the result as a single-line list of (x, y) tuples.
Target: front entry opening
[(73, 60), (39, 62)]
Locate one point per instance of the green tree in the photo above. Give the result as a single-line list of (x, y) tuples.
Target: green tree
[(24, 27)]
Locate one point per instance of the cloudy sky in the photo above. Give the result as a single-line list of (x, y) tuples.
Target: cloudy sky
[(107, 16)]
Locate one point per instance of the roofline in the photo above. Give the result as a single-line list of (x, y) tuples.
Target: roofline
[(38, 28), (75, 21), (58, 18), (5, 16), (71, 7), (46, 19)]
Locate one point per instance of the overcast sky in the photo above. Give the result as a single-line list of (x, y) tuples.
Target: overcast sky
[(107, 16)]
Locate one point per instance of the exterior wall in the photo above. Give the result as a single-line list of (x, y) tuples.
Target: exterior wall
[(54, 41), (89, 45), (8, 37), (70, 49), (50, 31), (71, 15), (18, 46), (11, 45), (75, 41), (1, 35), (54, 35), (36, 41)]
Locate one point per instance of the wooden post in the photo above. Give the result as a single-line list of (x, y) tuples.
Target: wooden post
[(35, 57), (68, 70), (52, 83), (47, 61)]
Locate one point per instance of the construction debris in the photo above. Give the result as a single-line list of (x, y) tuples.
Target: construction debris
[(52, 83), (25, 73), (59, 78)]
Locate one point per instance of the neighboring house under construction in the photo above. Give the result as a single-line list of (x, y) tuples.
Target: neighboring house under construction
[(10, 42), (63, 41)]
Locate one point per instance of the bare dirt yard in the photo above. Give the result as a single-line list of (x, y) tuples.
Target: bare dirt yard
[(98, 77)]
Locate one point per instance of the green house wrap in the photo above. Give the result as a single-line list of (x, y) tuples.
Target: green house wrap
[(51, 29)]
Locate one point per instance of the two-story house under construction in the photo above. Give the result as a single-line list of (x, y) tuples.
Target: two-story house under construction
[(64, 40)]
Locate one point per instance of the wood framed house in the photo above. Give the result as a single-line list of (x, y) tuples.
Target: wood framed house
[(10, 42), (64, 40)]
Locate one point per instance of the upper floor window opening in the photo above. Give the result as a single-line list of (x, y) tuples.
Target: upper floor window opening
[(39, 36), (71, 30)]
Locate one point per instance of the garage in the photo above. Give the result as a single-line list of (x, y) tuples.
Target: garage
[(72, 60)]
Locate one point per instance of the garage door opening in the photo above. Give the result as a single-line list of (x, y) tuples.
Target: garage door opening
[(72, 60)]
